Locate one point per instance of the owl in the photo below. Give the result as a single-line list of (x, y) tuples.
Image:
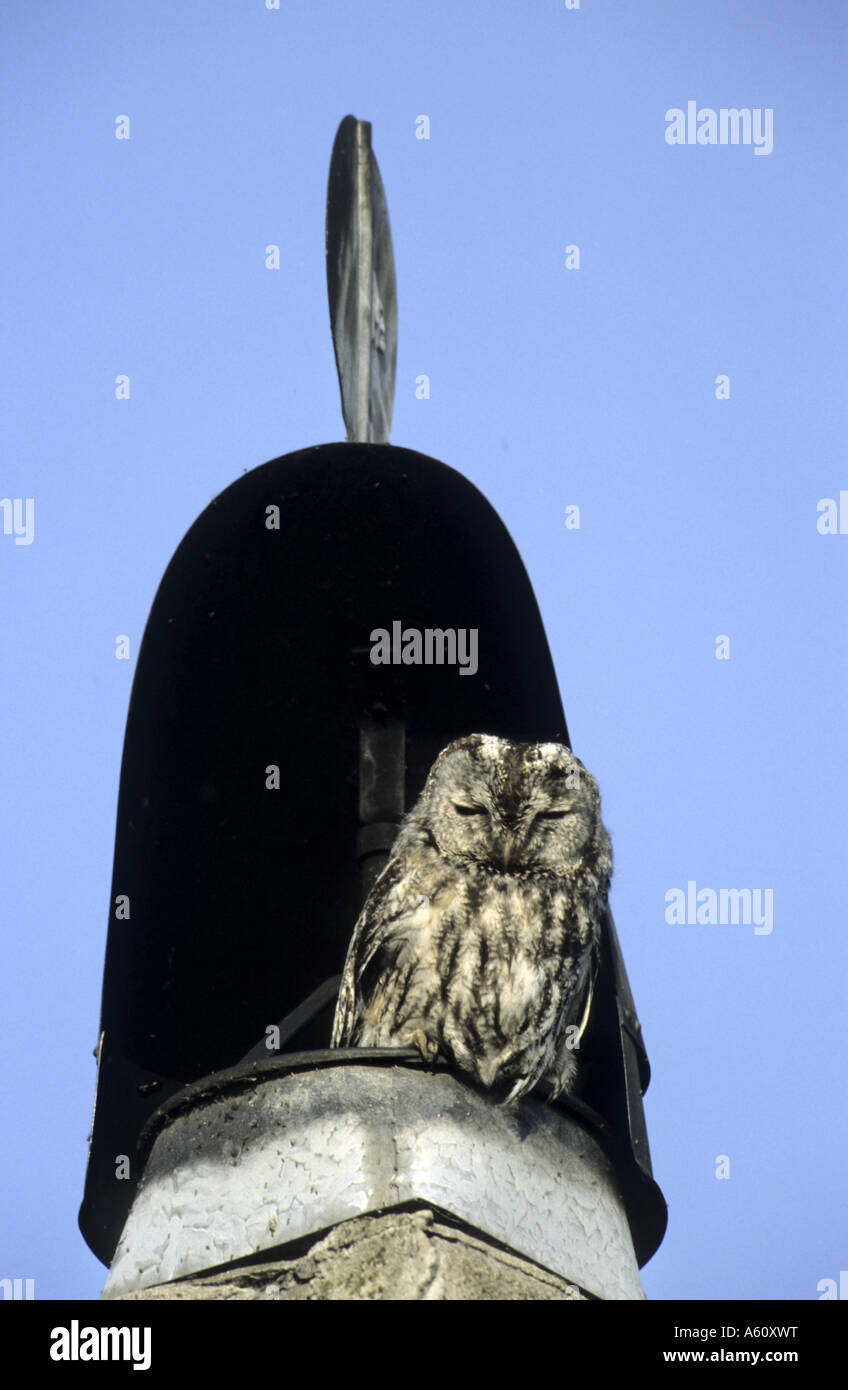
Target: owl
[(481, 937)]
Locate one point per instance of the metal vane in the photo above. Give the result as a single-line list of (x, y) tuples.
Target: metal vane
[(361, 285)]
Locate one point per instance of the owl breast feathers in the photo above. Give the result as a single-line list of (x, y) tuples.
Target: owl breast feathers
[(480, 938)]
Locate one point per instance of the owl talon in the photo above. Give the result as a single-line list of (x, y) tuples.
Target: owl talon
[(428, 1047)]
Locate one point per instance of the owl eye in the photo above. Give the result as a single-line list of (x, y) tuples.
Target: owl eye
[(551, 815), (469, 810)]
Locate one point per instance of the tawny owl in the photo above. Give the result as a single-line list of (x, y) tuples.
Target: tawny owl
[(480, 939)]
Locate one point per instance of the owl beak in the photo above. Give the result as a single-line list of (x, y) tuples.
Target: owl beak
[(508, 847)]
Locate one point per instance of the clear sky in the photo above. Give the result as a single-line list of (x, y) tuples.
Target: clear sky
[(550, 387)]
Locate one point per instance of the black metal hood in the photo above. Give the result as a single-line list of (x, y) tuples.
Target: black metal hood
[(235, 886)]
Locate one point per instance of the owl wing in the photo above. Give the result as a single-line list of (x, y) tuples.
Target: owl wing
[(388, 903), (588, 992), (348, 1008), (577, 1012)]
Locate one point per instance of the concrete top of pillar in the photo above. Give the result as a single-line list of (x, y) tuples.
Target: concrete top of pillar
[(243, 1173)]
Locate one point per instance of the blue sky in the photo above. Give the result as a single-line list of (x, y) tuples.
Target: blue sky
[(550, 387)]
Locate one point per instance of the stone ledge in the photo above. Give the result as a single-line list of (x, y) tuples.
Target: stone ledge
[(400, 1256)]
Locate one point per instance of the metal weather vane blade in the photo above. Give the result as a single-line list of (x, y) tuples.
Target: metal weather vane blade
[(361, 284)]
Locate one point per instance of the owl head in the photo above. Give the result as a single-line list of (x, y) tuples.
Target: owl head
[(516, 808)]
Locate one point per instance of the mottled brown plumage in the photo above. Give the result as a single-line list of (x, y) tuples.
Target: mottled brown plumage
[(480, 938)]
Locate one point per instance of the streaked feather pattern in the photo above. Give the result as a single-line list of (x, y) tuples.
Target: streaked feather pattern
[(480, 939)]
